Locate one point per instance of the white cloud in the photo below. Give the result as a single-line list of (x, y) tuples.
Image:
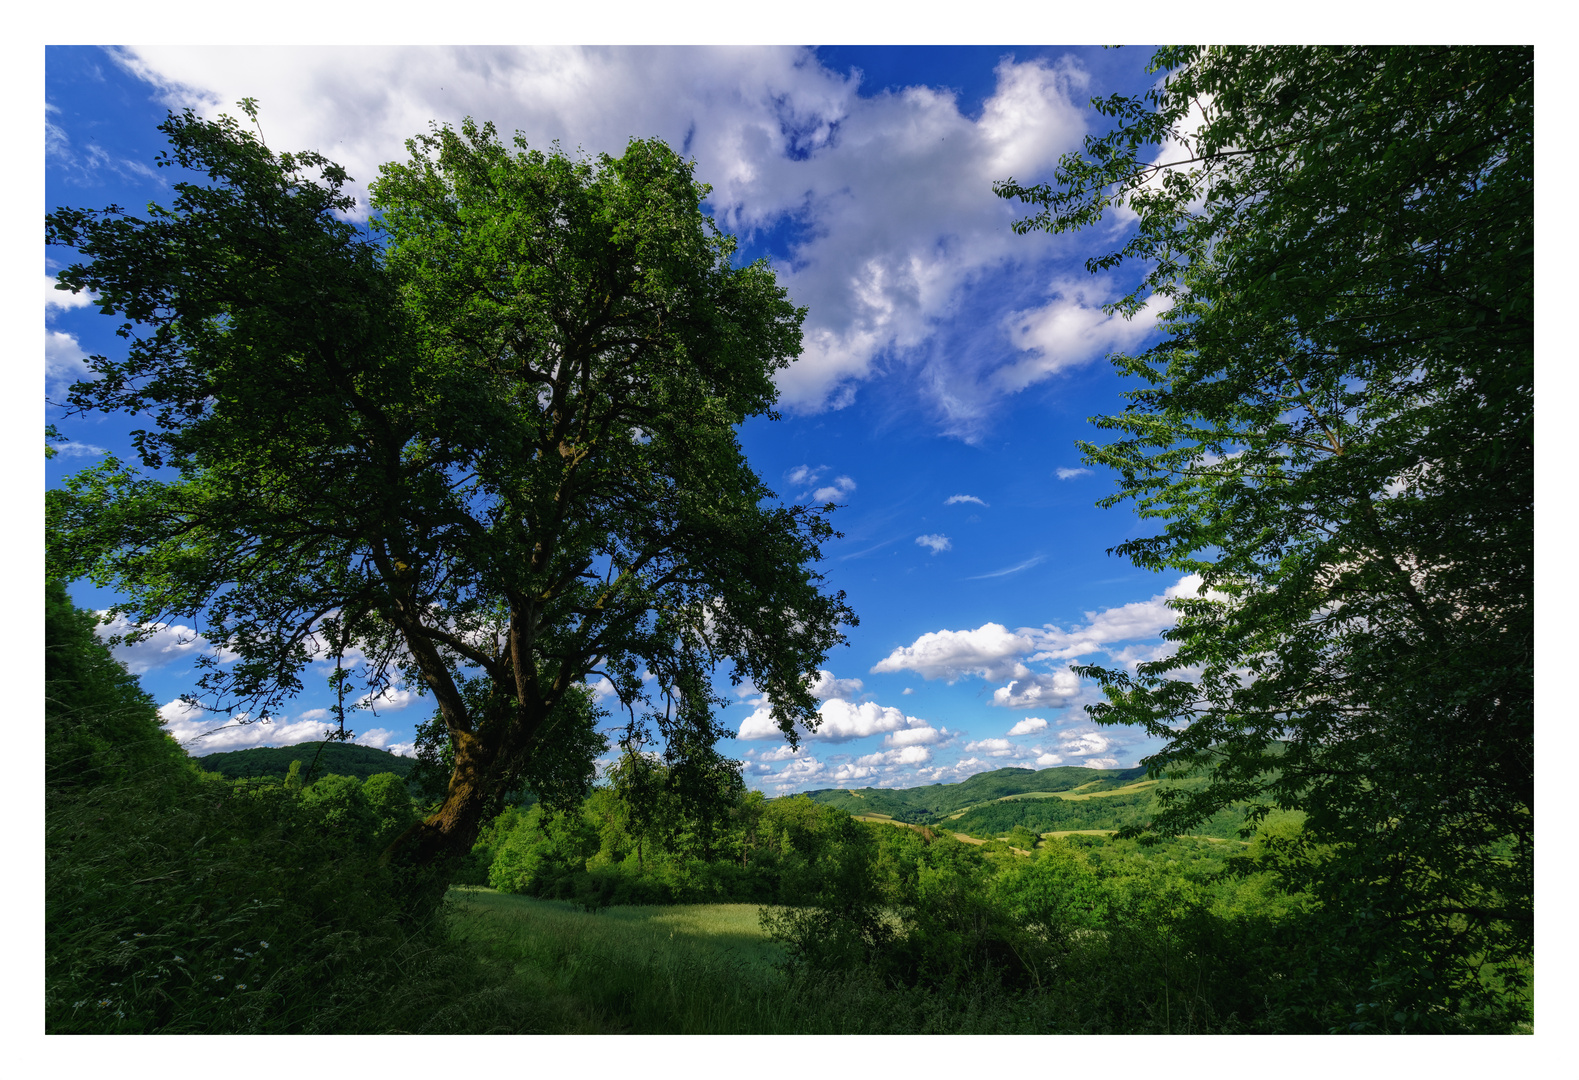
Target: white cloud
[(383, 739), (906, 690), (1071, 330), (390, 699), (1048, 761), (602, 690), (993, 652), (164, 644), (1069, 474), (960, 770), (1101, 763), (780, 753), (65, 362), (892, 191), (1015, 569), (64, 298), (827, 687), (78, 449), (201, 732), (842, 720), (1084, 743), (923, 735), (1029, 726), (993, 748), (936, 541), (1038, 688), (806, 771), (839, 489), (909, 755), (990, 651), (1140, 619), (954, 499)]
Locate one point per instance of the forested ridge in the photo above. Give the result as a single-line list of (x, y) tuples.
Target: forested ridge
[(320, 758)]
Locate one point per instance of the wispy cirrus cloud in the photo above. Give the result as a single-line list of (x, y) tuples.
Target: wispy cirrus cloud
[(1006, 571)]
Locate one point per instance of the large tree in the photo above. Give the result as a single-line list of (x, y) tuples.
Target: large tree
[(491, 452), (1335, 432)]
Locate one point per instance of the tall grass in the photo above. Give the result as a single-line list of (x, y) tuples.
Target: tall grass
[(711, 969)]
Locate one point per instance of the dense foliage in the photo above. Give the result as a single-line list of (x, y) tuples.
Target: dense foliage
[(180, 902), (1335, 433), (492, 451)]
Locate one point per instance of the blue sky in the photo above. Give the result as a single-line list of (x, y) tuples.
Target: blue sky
[(949, 365)]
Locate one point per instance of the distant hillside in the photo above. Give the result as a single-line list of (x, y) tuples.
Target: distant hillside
[(340, 759), (922, 805), (1065, 799)]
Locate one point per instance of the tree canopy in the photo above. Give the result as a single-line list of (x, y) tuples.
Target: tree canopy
[(1335, 432), (490, 452)]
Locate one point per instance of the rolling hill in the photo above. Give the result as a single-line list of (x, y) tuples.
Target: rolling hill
[(1065, 799), (923, 805), (340, 759)]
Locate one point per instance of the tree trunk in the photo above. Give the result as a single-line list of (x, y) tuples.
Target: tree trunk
[(427, 855)]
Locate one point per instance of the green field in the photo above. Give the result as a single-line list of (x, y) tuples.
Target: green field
[(693, 969)]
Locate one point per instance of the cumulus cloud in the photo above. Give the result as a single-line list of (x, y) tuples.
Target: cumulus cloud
[(960, 770), (827, 687), (992, 747), (1070, 330), (1029, 726), (922, 735), (936, 541), (1038, 688), (1069, 474), (838, 489), (64, 299), (779, 753), (1130, 622), (1048, 760), (389, 699), (993, 652), (954, 499), (65, 362), (1077, 743), (890, 194), (384, 739), (844, 720), (201, 732), (164, 644), (909, 755), (805, 771), (990, 651)]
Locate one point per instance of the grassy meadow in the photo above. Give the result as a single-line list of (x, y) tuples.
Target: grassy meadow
[(697, 969)]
